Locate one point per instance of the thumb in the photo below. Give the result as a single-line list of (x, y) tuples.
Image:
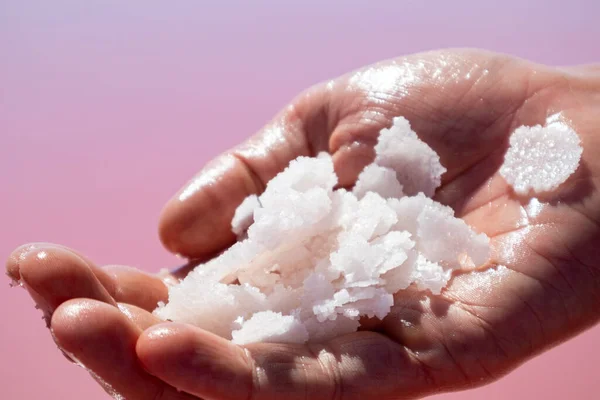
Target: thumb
[(197, 220)]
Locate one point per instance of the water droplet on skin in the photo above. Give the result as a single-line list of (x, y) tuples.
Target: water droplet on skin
[(160, 333), (508, 248), (406, 323)]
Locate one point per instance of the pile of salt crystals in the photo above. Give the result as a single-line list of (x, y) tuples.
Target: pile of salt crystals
[(311, 260), (541, 158)]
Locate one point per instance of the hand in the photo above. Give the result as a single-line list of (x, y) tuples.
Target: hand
[(464, 104)]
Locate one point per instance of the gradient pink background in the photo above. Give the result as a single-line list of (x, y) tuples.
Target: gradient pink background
[(107, 107)]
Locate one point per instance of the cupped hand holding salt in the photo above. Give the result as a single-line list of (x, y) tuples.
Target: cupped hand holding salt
[(312, 260)]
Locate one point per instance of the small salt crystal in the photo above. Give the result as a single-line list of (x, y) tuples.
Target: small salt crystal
[(541, 158), (244, 215)]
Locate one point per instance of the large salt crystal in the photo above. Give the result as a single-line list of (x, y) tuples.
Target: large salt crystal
[(211, 305), (428, 275), (371, 218), (540, 159), (450, 241), (313, 261), (417, 166), (268, 326), (408, 210), (378, 179)]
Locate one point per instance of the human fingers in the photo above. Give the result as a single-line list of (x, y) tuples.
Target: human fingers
[(143, 319), (101, 339), (364, 365), (49, 271), (53, 275)]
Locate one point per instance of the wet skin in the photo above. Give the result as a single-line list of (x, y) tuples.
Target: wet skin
[(464, 104)]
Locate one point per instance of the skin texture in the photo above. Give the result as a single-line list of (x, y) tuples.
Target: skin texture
[(464, 104)]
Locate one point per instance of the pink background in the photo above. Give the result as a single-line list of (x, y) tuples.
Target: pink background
[(107, 107)]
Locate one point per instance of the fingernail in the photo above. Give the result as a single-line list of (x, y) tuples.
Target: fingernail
[(14, 261), (40, 253)]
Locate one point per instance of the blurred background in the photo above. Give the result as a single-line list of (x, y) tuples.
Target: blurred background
[(108, 107)]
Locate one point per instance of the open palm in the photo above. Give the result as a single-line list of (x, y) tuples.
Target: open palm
[(543, 289)]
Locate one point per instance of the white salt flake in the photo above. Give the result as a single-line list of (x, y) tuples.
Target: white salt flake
[(408, 210), (540, 159), (446, 240), (212, 306), (244, 215), (417, 166), (430, 276), (392, 249), (401, 277), (268, 326), (373, 217), (295, 177), (380, 180)]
